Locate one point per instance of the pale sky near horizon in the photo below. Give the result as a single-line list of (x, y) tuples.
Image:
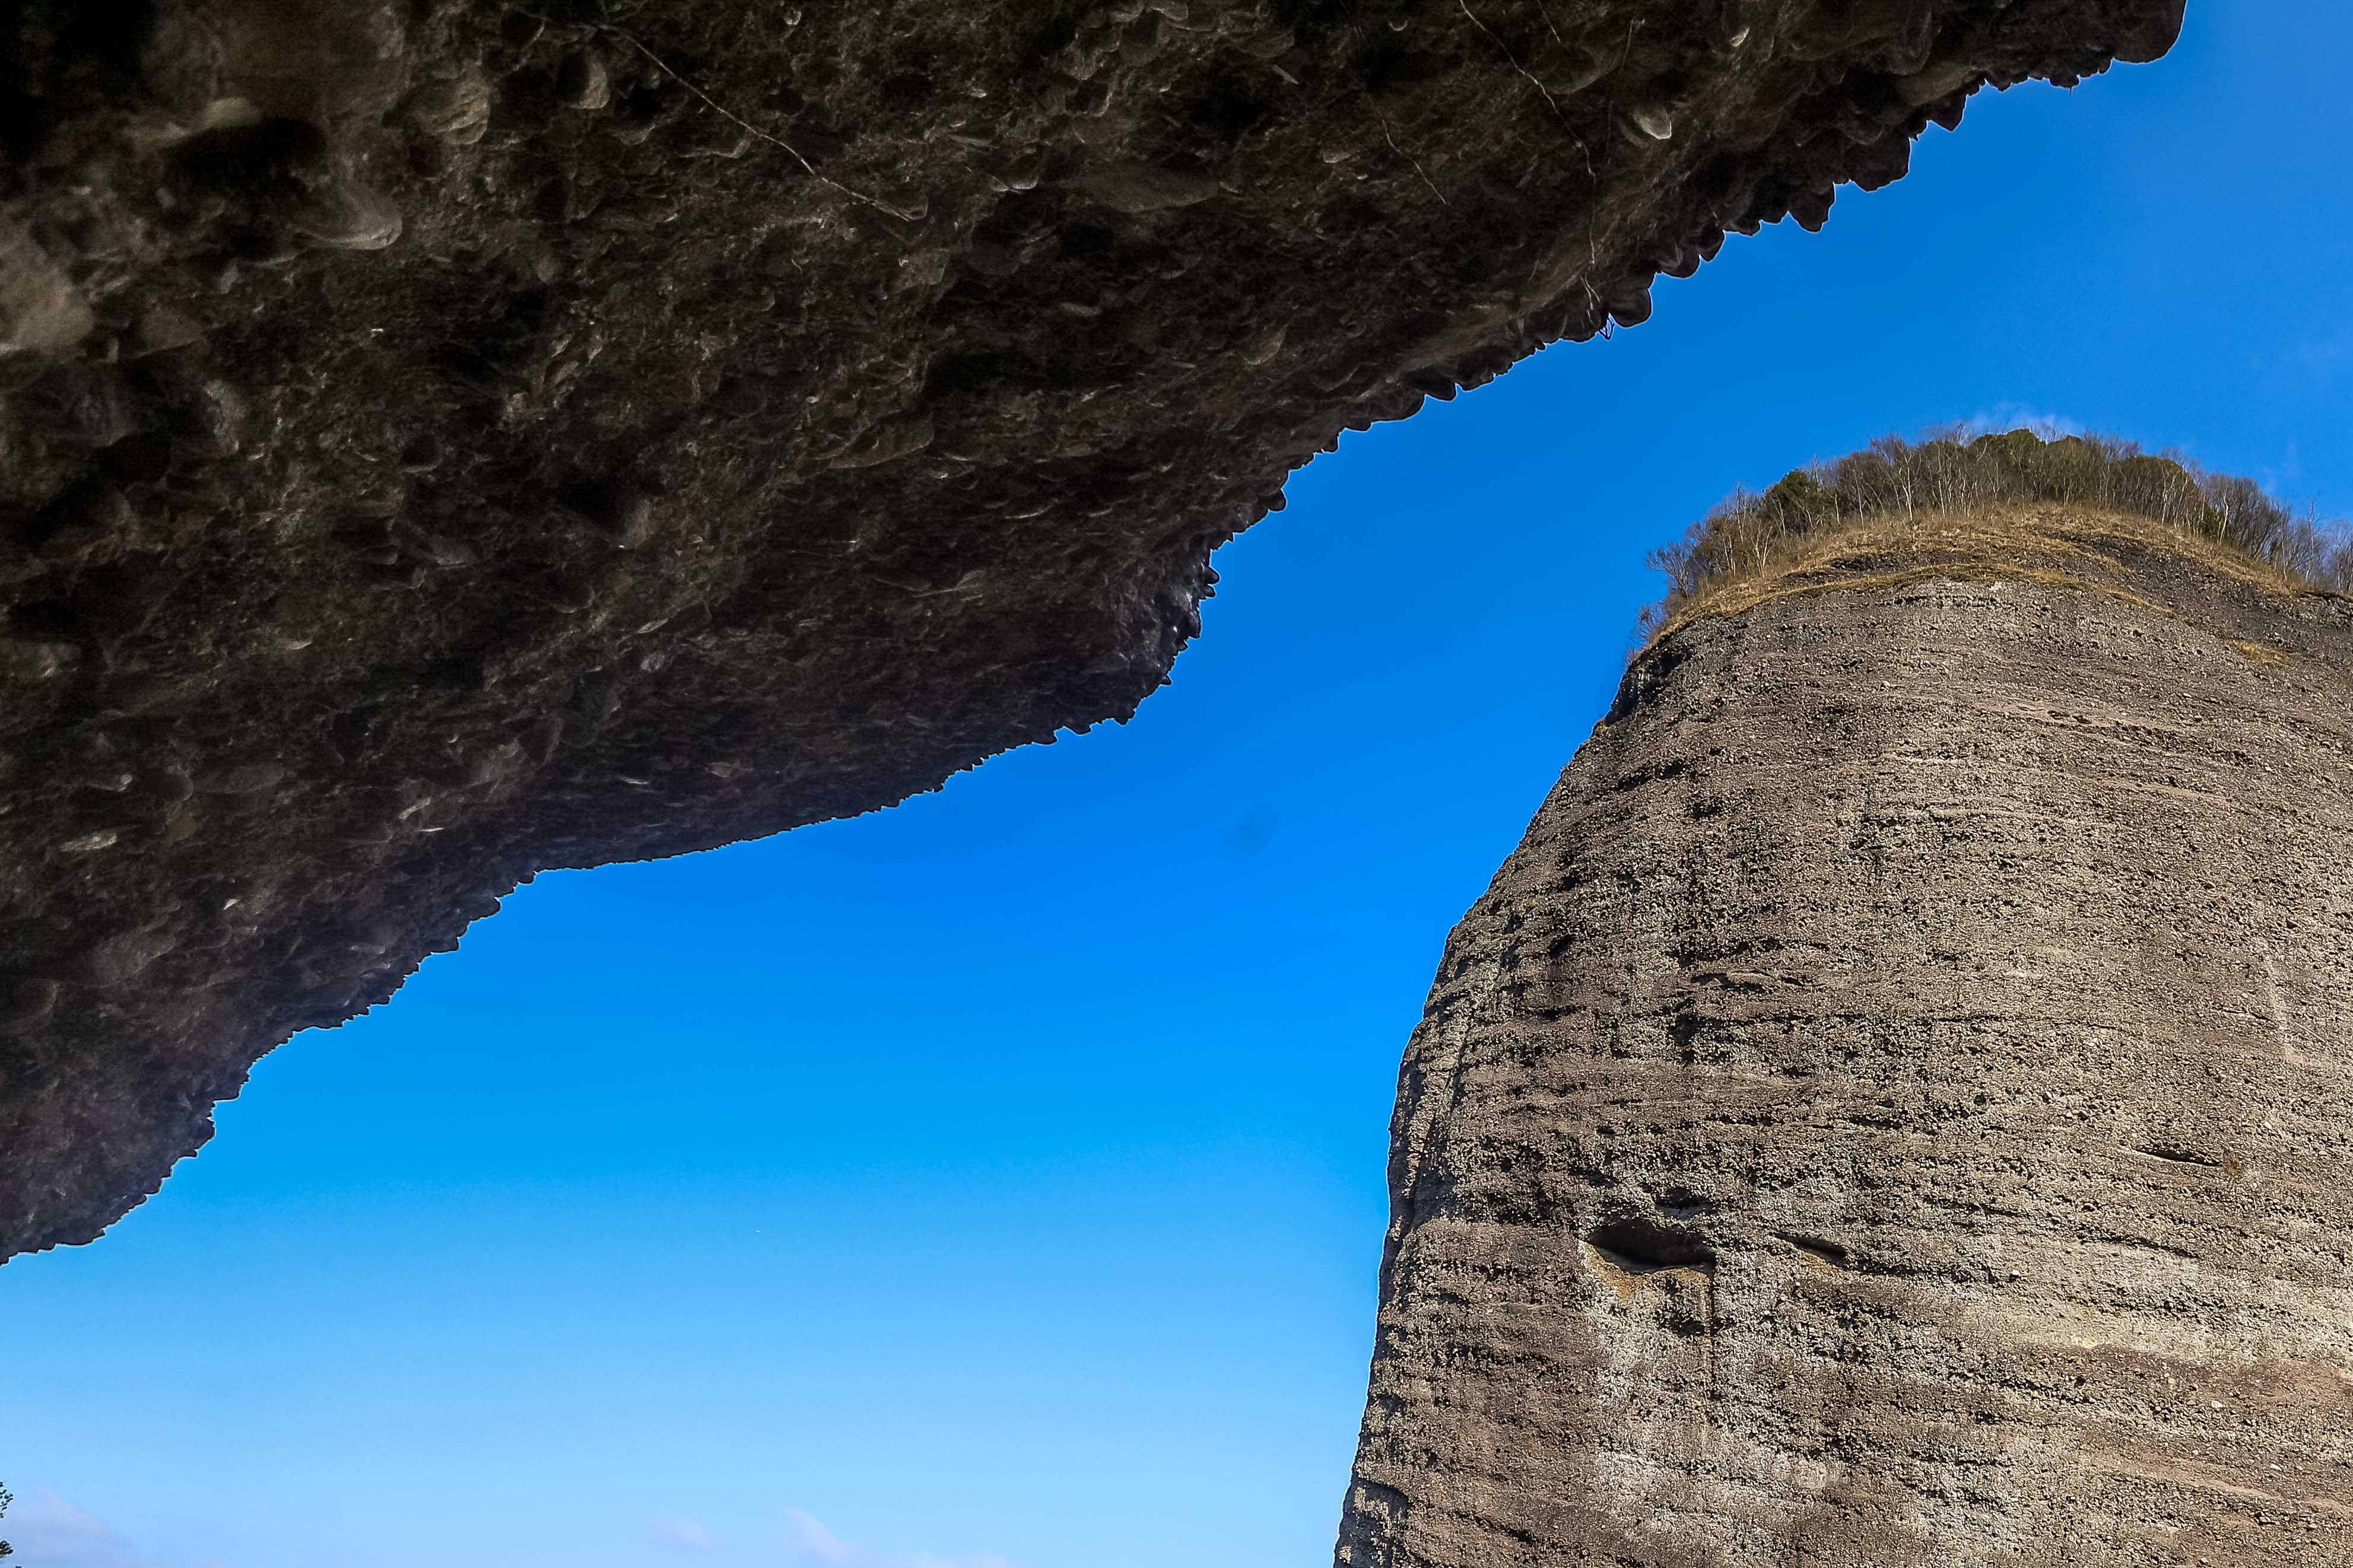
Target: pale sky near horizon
[(995, 1181)]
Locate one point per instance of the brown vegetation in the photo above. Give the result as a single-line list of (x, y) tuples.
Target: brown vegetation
[(1752, 536)]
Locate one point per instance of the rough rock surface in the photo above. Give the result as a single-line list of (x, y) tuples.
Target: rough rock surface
[(440, 441), (1891, 1110)]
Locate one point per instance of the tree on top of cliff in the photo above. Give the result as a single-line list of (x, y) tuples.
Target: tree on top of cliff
[(1947, 473)]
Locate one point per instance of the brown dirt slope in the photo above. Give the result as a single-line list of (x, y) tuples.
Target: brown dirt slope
[(1890, 1110)]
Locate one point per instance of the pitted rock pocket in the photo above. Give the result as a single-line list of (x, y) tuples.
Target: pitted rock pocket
[(886, 442), (1135, 188)]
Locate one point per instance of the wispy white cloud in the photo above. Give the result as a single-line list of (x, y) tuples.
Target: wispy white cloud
[(50, 1532), (812, 1545), (2003, 418), (684, 1536), (811, 1542)]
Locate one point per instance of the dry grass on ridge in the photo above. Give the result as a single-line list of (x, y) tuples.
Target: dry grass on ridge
[(1988, 508)]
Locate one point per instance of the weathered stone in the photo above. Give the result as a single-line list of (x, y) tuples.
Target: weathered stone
[(1141, 188), (126, 956), (583, 82), (180, 58), (29, 658), (934, 347), (41, 312), (456, 109), (341, 65), (29, 1002), (164, 327), (1890, 1109), (250, 778), (348, 213)]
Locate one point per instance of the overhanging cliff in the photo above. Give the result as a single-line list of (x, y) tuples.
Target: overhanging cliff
[(1890, 1108), (448, 440)]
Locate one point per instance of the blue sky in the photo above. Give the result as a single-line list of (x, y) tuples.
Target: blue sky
[(997, 1180)]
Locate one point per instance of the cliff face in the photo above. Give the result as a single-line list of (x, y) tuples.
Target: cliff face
[(1890, 1110), (441, 440)]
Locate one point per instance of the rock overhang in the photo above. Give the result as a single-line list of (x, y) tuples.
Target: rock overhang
[(448, 441)]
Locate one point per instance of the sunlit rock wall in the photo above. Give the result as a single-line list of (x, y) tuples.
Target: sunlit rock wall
[(1896, 1105)]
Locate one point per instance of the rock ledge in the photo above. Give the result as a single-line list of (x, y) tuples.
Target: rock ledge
[(444, 441)]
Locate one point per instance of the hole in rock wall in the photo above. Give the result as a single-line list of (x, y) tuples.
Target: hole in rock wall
[(1646, 1247)]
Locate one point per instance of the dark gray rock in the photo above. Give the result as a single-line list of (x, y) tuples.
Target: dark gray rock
[(858, 392)]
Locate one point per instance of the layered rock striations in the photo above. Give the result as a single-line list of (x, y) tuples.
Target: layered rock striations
[(1891, 1108), (440, 441)]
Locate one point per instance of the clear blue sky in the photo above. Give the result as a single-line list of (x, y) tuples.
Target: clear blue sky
[(998, 1178)]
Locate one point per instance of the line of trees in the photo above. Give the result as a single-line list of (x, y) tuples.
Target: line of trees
[(1948, 472)]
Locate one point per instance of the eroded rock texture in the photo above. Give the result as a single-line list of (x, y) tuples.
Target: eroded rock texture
[(1890, 1110), (440, 441)]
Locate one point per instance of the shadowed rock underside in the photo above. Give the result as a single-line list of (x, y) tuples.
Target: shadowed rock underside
[(1891, 1110), (441, 441)]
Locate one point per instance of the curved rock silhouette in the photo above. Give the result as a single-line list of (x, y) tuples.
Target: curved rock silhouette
[(445, 440), (1889, 1109)]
